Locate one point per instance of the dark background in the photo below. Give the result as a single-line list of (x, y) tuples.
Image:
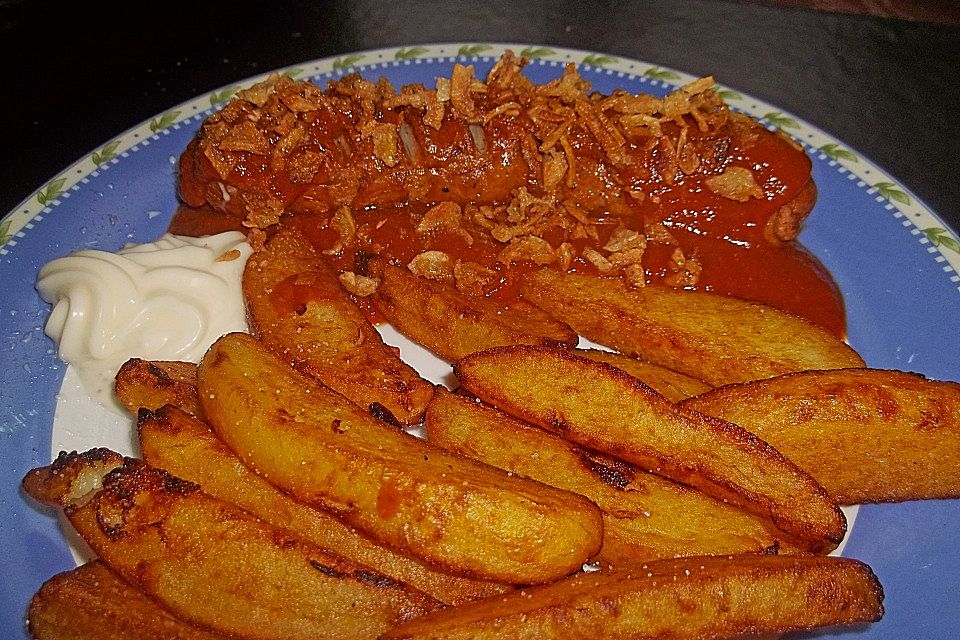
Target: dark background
[(78, 74)]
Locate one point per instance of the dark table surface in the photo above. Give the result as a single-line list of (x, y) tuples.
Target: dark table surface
[(79, 74)]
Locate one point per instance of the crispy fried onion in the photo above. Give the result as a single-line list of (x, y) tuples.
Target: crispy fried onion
[(271, 120)]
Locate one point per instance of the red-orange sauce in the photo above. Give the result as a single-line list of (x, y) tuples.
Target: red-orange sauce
[(729, 239)]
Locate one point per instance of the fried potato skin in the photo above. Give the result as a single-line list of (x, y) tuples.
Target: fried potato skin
[(668, 383), (186, 447), (221, 568), (71, 477), (151, 384), (645, 517), (866, 435), (451, 325), (713, 338), (93, 603), (604, 409), (298, 308), (681, 599), (456, 514)]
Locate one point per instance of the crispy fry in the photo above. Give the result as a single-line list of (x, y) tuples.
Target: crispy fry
[(680, 599), (152, 384), (866, 435), (186, 447), (710, 337), (218, 566), (668, 383), (645, 517), (455, 513), (602, 408), (93, 603), (452, 325), (298, 308)]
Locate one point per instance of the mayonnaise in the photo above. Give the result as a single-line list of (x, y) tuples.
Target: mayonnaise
[(164, 300)]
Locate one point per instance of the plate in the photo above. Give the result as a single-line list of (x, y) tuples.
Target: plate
[(894, 259)]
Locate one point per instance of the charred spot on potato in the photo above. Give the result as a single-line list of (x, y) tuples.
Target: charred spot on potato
[(383, 414), (163, 379), (376, 579), (618, 476), (327, 570)]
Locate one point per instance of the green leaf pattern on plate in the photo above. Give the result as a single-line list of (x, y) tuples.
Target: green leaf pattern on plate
[(727, 95), (292, 73), (777, 119), (411, 53), (890, 191), (656, 73), (106, 154), (469, 50), (50, 192), (535, 53), (597, 60), (835, 152), (5, 234), (347, 61), (940, 237), (223, 95), (164, 121)]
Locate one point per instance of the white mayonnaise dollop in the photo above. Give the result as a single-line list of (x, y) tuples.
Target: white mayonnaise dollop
[(164, 300)]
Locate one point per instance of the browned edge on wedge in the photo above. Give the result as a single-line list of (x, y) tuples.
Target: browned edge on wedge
[(645, 516), (438, 316), (710, 337), (682, 599), (866, 435), (91, 602), (603, 408), (299, 309), (150, 384), (454, 513), (672, 385), (216, 565), (186, 447)]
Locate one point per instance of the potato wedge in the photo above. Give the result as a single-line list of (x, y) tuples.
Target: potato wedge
[(681, 599), (710, 337), (866, 435), (602, 408), (668, 383), (298, 308), (645, 517), (215, 565), (145, 384), (452, 325), (456, 514), (186, 447), (93, 603)]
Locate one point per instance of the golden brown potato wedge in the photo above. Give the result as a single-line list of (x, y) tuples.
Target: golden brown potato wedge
[(710, 337), (602, 408), (457, 514), (93, 603), (145, 384), (215, 565), (445, 321), (681, 599), (668, 383), (186, 447), (866, 435), (298, 308), (645, 517)]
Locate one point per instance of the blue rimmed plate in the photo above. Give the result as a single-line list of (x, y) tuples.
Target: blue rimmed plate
[(894, 259)]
